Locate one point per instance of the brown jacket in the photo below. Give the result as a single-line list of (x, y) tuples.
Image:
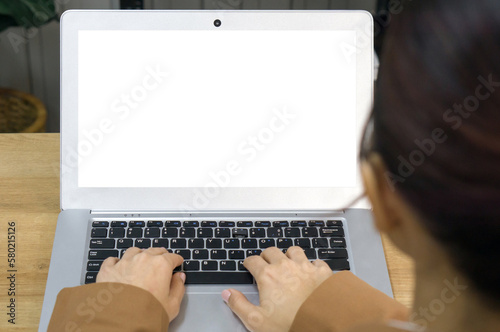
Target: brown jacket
[(340, 303)]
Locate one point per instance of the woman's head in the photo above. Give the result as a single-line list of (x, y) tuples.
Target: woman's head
[(436, 126)]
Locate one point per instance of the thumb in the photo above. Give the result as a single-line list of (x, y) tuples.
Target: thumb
[(176, 294), (248, 313), (177, 287)]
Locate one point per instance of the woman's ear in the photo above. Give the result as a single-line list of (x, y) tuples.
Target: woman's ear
[(386, 209)]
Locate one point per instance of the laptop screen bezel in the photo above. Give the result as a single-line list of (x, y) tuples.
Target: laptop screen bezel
[(187, 199)]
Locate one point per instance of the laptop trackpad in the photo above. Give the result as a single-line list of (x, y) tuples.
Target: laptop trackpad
[(203, 309)]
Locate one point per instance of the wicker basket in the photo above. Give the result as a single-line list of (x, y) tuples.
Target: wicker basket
[(21, 112)]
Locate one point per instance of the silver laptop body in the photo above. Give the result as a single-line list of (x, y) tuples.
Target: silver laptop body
[(212, 115)]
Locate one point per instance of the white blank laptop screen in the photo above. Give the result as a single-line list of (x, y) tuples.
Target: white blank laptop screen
[(181, 108)]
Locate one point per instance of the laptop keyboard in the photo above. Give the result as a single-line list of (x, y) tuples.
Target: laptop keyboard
[(214, 250)]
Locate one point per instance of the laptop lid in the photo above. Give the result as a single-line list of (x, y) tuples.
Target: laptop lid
[(213, 110)]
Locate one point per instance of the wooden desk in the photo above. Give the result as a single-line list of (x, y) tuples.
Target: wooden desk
[(29, 195)]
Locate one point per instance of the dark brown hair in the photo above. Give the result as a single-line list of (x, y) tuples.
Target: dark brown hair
[(436, 124)]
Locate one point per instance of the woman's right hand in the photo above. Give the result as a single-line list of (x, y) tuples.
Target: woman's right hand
[(284, 283)]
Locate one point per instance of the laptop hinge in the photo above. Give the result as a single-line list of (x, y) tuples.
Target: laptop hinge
[(221, 213)]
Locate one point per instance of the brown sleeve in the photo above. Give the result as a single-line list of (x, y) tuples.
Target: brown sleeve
[(344, 301), (110, 307)]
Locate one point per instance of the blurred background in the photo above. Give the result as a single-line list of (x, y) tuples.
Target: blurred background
[(29, 47)]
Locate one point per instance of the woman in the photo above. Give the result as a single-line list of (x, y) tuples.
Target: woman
[(431, 168)]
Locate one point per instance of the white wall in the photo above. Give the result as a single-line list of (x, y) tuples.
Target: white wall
[(29, 60)]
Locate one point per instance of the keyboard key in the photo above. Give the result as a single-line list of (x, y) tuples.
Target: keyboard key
[(186, 232), (333, 223), (172, 223), (90, 277), (200, 254), (309, 232), (241, 267), (332, 232), (292, 232), (320, 243), (236, 254), (118, 224), (313, 223), (136, 224), (214, 243), (284, 243), (283, 223), (102, 254), (332, 253), (134, 232), (100, 224), (104, 243), (209, 224), (143, 243), (205, 232), (218, 278), (240, 232), (196, 243), (266, 243), (160, 243), (254, 252), (190, 224), (338, 264), (337, 242), (99, 232), (257, 232), (310, 253), (231, 243), (303, 243), (191, 266), (228, 266), (169, 232), (152, 232), (226, 224), (262, 224), (155, 223), (124, 243), (222, 232), (185, 253), (178, 243), (274, 232), (249, 243), (245, 224), (209, 265), (94, 265), (218, 254), (298, 223)]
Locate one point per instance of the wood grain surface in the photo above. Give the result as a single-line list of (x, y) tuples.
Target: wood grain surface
[(29, 196)]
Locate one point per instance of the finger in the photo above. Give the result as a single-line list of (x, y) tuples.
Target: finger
[(296, 254), (240, 305), (255, 264), (174, 259), (320, 263), (156, 251), (273, 255), (110, 261), (131, 252), (177, 288)]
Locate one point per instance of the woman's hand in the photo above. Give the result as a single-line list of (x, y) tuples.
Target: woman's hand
[(284, 282), (151, 270)]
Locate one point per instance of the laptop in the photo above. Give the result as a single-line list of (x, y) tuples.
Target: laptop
[(214, 134)]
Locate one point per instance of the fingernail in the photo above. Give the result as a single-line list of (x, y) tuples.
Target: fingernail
[(183, 277), (225, 295)]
